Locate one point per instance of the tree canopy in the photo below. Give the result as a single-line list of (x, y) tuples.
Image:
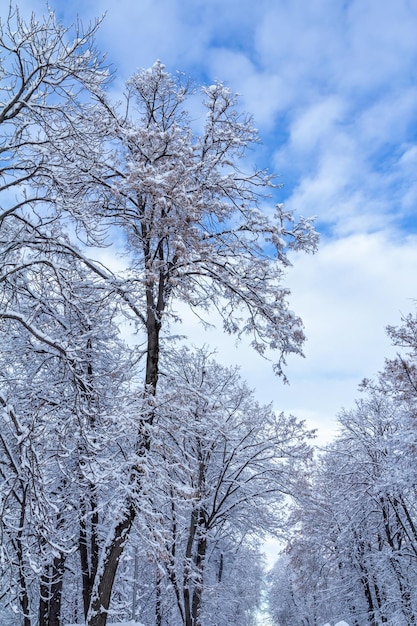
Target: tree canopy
[(118, 458)]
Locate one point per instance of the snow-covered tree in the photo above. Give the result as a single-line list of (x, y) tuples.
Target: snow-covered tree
[(194, 224), (227, 463), (44, 70), (64, 388), (354, 551)]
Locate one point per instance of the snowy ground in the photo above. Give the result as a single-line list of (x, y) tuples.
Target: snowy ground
[(117, 624), (139, 624)]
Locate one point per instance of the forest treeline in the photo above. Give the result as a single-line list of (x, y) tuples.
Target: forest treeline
[(137, 478), (352, 553)]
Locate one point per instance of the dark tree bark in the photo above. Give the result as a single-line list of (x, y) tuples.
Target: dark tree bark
[(194, 569), (198, 589), (51, 593), (394, 537), (89, 549), (101, 598), (23, 594), (158, 601)]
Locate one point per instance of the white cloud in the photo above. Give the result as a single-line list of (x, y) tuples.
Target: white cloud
[(348, 164), (315, 125), (346, 295), (382, 43), (323, 46), (263, 94)]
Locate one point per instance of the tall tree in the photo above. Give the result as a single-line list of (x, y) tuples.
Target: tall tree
[(177, 199), (195, 227)]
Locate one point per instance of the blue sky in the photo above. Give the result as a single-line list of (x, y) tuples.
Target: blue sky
[(332, 86)]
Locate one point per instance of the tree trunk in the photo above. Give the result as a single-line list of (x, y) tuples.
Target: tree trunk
[(97, 615), (192, 601), (220, 571), (394, 538), (158, 601), (379, 602), (51, 593), (188, 619), (172, 559), (198, 589), (23, 593), (88, 547)]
